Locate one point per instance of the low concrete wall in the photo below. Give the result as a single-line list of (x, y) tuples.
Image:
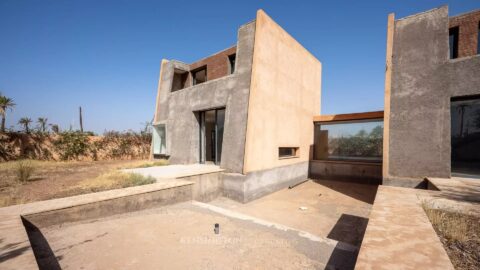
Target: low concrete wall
[(399, 234), (119, 205), (245, 188), (405, 182), (206, 187), (358, 172)]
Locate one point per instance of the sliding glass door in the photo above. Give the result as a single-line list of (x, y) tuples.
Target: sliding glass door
[(211, 135)]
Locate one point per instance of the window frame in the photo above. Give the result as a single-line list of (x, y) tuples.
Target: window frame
[(294, 152), (197, 70)]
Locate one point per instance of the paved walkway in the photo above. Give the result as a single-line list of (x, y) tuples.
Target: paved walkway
[(399, 234), (175, 171)]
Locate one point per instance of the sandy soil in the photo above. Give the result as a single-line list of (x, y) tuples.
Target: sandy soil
[(277, 234), (52, 179), (335, 210), (182, 237)]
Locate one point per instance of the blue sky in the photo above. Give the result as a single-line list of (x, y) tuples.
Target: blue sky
[(105, 55)]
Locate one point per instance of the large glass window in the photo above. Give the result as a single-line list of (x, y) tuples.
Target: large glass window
[(349, 140), (159, 142), (465, 137)]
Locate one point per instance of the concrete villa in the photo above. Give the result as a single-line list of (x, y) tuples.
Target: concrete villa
[(248, 111), (245, 109), (366, 190)]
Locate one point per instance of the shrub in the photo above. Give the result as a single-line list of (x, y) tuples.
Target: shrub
[(114, 180), (24, 170), (72, 145)]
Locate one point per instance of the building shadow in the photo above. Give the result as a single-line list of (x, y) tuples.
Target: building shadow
[(44, 255), (362, 192), (350, 230)]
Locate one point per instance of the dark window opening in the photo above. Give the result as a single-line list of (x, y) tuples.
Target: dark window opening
[(231, 60), (465, 136), (179, 79), (286, 152), (453, 42), (200, 75), (478, 39)]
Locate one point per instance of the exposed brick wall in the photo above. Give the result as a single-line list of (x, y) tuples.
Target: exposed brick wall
[(468, 32), (217, 64)]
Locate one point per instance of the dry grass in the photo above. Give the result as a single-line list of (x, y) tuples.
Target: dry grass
[(24, 170), (14, 198), (453, 226), (113, 180), (460, 235), (161, 162), (56, 179)]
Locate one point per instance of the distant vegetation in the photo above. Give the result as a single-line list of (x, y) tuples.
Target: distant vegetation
[(46, 141), (362, 144)]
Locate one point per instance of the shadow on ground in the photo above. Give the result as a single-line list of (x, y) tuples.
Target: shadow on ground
[(363, 192), (41, 249), (349, 229)]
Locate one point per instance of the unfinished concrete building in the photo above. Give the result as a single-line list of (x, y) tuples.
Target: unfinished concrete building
[(245, 109), (248, 111), (432, 97)]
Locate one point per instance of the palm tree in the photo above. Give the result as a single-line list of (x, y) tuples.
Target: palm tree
[(55, 128), (42, 122), (5, 104), (25, 121)]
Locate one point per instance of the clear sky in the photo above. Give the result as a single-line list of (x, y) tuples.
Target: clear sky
[(105, 55)]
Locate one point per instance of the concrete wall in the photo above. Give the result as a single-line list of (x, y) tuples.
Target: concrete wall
[(423, 81), (178, 110), (358, 172), (284, 97), (245, 188)]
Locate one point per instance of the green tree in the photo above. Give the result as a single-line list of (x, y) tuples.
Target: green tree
[(55, 128), (5, 104), (42, 123), (25, 122)]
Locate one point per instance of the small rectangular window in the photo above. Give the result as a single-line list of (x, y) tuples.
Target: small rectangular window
[(453, 42), (200, 75), (231, 60), (287, 152)]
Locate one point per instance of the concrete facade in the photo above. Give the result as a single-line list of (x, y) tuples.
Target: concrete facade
[(423, 81), (178, 110), (268, 105)]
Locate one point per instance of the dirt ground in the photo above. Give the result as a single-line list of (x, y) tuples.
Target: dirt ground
[(52, 179), (268, 233), (335, 210), (182, 237)]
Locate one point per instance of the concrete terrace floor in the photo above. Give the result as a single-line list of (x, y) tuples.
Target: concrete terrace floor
[(268, 233), (175, 171)]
